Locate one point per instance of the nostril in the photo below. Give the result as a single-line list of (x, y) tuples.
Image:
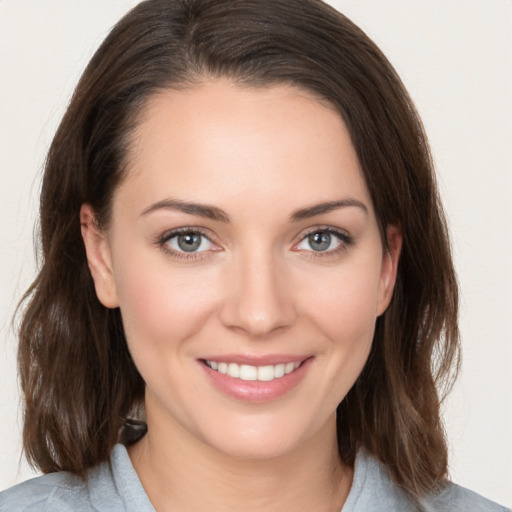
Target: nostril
[(259, 300)]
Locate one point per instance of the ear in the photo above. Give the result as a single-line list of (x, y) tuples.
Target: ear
[(99, 257), (389, 267)]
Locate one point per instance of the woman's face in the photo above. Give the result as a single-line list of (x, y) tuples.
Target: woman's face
[(243, 240)]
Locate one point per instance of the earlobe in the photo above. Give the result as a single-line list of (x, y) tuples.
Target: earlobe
[(99, 258), (389, 267)]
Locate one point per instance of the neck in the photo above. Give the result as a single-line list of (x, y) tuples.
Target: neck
[(180, 473)]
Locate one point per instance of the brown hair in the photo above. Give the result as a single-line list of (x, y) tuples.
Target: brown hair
[(79, 381)]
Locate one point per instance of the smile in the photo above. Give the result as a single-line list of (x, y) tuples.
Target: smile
[(253, 373)]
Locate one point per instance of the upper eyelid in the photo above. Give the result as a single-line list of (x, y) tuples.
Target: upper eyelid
[(322, 228), (344, 237), (163, 243), (167, 235)]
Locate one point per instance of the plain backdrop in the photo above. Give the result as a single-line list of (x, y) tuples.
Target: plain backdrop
[(455, 57)]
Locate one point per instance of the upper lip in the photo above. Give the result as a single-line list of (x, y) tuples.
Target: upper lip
[(254, 360)]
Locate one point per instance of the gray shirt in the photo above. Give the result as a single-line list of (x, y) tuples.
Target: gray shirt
[(114, 486)]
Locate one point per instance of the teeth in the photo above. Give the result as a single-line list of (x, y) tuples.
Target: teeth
[(234, 370), (279, 370), (266, 373), (289, 368), (247, 372)]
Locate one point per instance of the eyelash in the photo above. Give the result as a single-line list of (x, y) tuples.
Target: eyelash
[(163, 241), (344, 238)]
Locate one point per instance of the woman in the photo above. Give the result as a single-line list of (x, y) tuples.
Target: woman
[(246, 275)]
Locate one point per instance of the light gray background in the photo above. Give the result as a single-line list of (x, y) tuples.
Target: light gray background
[(455, 57)]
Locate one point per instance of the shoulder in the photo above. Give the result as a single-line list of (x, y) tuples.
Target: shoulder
[(453, 498), (373, 490), (112, 485), (55, 491)]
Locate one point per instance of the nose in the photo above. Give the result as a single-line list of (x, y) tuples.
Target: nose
[(259, 300)]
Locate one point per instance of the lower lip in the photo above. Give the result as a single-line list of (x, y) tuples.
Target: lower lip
[(255, 390)]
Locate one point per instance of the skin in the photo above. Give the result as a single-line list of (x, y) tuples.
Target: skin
[(256, 287)]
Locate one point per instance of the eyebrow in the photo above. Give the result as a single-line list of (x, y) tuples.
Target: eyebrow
[(318, 209), (217, 214), (201, 210)]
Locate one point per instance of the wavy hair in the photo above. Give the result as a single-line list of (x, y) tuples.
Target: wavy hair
[(79, 382)]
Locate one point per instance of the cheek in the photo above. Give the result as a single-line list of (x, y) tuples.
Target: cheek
[(346, 316), (345, 308), (162, 305)]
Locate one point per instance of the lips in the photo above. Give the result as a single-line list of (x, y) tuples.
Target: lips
[(256, 379), (247, 372)]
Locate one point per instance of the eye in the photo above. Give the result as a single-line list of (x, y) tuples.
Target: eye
[(191, 241), (323, 241), (186, 243)]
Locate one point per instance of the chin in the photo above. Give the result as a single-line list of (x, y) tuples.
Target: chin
[(259, 441), (257, 449)]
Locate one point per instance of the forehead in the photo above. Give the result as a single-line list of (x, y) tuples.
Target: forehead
[(219, 142)]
